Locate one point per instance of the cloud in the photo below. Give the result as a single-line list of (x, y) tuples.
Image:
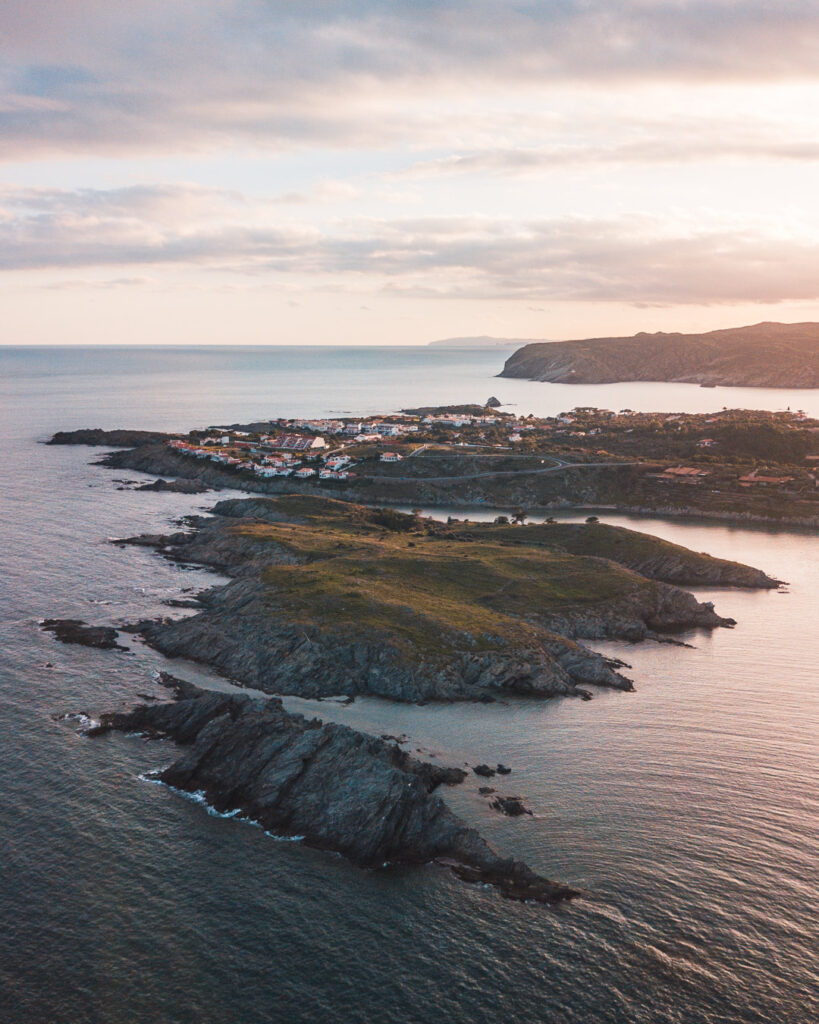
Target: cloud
[(673, 142), (633, 259), (92, 75)]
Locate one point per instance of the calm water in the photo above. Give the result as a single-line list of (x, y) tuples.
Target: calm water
[(687, 809)]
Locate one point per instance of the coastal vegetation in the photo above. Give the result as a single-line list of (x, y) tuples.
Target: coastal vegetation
[(328, 597)]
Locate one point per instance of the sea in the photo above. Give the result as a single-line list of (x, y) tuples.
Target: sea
[(687, 811)]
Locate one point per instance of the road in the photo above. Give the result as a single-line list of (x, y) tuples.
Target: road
[(559, 465)]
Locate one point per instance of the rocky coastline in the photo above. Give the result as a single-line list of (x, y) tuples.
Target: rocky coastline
[(326, 598), (247, 629), (329, 785)]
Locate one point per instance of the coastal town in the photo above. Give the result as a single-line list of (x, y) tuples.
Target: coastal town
[(324, 449), (729, 451)]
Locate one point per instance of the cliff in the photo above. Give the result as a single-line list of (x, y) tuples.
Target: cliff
[(335, 788), (769, 355)]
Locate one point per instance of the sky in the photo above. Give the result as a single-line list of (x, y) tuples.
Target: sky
[(358, 172)]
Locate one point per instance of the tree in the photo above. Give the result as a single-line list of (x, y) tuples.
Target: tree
[(591, 520), (501, 520), (519, 516)]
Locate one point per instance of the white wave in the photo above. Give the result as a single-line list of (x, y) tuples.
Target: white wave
[(83, 720), (199, 797)]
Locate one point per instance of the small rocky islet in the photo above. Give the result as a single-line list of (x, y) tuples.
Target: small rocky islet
[(329, 785), (330, 598)]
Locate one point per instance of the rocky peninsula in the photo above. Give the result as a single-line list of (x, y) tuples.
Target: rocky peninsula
[(766, 355), (327, 598), (331, 786)]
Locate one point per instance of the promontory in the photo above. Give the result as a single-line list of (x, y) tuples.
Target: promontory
[(328, 597), (765, 355)]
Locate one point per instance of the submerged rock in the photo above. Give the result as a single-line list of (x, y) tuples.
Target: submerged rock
[(336, 788)]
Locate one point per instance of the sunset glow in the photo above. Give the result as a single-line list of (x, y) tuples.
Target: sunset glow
[(390, 173)]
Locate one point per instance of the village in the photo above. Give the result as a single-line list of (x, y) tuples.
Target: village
[(730, 450), (327, 452)]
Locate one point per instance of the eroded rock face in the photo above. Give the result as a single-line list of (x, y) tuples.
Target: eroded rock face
[(237, 634), (337, 788), (644, 614), (701, 572)]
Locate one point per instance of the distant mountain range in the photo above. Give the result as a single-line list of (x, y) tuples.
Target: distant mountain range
[(766, 355), (482, 341)]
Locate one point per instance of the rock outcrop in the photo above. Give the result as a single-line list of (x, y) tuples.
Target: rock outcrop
[(237, 634), (177, 486), (96, 436), (650, 556), (75, 631), (335, 788), (511, 806)]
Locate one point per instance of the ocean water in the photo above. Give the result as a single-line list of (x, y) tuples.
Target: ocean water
[(687, 810)]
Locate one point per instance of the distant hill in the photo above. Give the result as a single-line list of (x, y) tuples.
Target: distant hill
[(482, 341), (766, 355)]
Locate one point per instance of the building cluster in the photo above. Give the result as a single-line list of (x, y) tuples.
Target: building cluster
[(682, 475), (327, 449), (360, 430), (270, 456), (458, 420)]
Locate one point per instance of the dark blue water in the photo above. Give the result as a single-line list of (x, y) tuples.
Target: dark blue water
[(688, 809)]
